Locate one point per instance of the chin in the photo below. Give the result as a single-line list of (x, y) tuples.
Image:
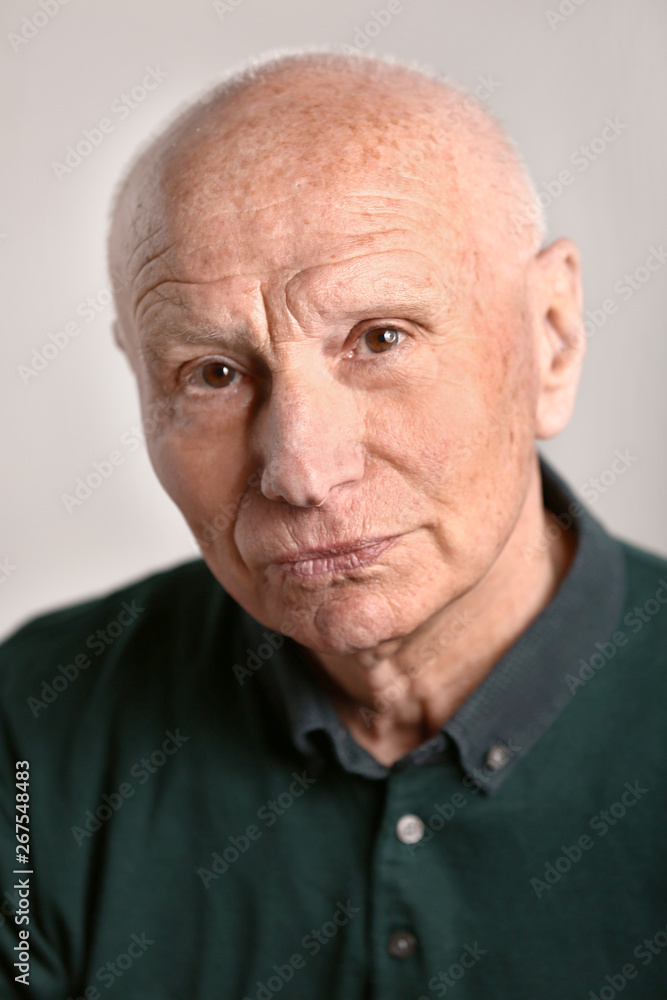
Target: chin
[(351, 624)]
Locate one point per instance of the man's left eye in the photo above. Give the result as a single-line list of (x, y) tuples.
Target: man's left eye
[(382, 339)]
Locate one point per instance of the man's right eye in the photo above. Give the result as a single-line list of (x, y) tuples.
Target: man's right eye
[(217, 374)]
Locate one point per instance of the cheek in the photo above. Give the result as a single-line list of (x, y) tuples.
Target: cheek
[(207, 480), (462, 442), (199, 459), (437, 436)]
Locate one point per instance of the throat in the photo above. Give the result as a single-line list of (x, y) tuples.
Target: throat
[(387, 735)]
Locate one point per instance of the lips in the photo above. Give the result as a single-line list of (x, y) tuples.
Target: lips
[(335, 558)]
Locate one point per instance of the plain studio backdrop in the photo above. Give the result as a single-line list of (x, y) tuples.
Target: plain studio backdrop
[(581, 85)]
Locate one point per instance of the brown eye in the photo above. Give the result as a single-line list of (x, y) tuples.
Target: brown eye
[(382, 339), (217, 374)]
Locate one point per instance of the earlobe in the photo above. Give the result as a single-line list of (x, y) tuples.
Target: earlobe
[(118, 336), (560, 332)]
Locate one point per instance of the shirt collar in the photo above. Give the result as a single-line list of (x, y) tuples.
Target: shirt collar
[(526, 690)]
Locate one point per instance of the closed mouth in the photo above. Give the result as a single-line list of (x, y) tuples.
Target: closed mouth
[(335, 558)]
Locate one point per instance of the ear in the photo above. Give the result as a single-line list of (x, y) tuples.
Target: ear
[(555, 280), (120, 338)]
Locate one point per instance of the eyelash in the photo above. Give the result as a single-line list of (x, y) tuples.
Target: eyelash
[(193, 377)]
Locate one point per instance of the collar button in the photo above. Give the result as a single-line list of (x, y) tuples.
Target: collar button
[(496, 757)]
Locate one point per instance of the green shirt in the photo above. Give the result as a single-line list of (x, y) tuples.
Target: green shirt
[(203, 827)]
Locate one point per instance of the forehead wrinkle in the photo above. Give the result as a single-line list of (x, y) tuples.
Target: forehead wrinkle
[(159, 256), (245, 210), (339, 250), (141, 312), (383, 196), (373, 204), (381, 202), (321, 284), (378, 203), (309, 275), (167, 227), (145, 239)]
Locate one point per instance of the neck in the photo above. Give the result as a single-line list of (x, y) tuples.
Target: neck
[(392, 702)]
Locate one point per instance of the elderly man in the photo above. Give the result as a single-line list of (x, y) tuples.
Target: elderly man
[(401, 732)]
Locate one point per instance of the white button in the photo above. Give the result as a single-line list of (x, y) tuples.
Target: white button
[(402, 944), (497, 757), (409, 829)]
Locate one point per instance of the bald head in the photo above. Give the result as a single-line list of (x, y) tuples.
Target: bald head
[(331, 120), (344, 334)]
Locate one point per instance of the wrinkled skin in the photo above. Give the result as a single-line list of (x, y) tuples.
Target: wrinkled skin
[(334, 344)]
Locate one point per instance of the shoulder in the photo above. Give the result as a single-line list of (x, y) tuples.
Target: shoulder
[(644, 617), (150, 612), (646, 570)]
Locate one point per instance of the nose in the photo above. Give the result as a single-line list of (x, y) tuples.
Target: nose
[(310, 441)]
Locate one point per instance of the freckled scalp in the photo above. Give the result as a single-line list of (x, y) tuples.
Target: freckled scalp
[(330, 122)]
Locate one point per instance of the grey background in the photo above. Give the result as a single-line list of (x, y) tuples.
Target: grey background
[(554, 86)]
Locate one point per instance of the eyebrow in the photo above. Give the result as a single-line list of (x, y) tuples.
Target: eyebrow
[(163, 337), (384, 305)]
